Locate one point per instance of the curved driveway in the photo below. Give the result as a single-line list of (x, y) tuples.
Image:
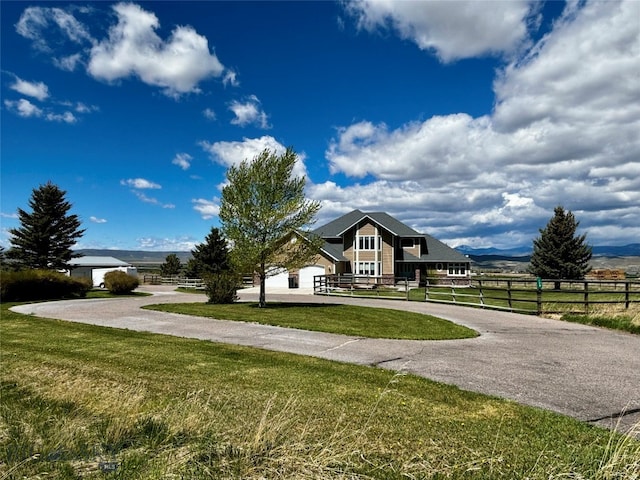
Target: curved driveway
[(588, 373)]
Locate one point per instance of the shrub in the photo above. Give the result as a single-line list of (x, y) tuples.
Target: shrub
[(221, 287), (119, 282), (27, 285)]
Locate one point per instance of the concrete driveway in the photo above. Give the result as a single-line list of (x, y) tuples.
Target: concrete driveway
[(587, 373)]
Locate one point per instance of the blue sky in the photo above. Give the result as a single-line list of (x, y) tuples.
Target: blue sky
[(469, 121)]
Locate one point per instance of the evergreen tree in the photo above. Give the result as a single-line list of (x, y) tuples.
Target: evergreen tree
[(46, 235), (210, 257), (171, 265), (558, 253), (262, 211)]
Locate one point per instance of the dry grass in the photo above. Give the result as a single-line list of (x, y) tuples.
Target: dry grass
[(76, 396), (610, 316)]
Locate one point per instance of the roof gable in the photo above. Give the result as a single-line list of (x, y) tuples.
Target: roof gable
[(340, 225), (336, 227)]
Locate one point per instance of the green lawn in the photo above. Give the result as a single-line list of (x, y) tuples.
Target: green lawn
[(342, 319), (78, 399)]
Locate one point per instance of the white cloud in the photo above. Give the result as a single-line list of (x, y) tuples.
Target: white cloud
[(151, 200), (232, 153), (209, 114), (565, 131), (249, 112), (230, 78), (134, 49), (8, 215), (183, 160), (97, 220), (453, 31), (180, 244), (32, 89), (137, 184), (35, 20), (83, 108), (140, 183), (66, 117), (23, 108), (26, 109), (69, 62), (207, 208)]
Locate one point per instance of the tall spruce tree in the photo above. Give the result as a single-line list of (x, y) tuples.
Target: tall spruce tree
[(559, 253), (263, 211), (46, 235), (210, 257)]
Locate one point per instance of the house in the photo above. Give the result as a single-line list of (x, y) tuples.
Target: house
[(95, 267), (375, 244)]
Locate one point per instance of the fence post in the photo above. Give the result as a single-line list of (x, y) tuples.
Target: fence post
[(539, 295), (586, 297), (406, 288), (509, 293), (481, 295), (627, 293)]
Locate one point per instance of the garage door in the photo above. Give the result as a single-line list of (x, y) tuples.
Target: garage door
[(307, 274), (280, 280)]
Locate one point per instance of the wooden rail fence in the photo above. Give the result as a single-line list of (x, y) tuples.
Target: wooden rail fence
[(526, 295)]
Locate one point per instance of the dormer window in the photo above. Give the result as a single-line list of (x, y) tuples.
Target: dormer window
[(407, 243)]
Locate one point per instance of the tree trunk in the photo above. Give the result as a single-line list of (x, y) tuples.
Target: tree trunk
[(262, 302)]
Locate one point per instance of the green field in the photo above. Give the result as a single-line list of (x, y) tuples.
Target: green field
[(79, 400)]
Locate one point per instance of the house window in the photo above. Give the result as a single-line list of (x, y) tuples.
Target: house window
[(368, 268), (368, 242), (407, 243), (407, 268), (458, 269)]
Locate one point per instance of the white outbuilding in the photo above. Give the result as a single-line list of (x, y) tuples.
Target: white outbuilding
[(95, 268)]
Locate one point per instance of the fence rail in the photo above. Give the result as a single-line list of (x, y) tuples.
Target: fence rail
[(180, 282), (362, 285), (526, 295)]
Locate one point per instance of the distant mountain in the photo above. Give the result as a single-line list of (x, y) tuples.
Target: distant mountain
[(631, 250), (504, 252), (135, 257)]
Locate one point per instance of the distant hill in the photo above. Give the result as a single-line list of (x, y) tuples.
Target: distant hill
[(631, 250), (503, 252), (135, 257)]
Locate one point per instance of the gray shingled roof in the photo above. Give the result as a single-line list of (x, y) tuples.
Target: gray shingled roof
[(436, 250), (96, 261), (334, 251), (340, 225)]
